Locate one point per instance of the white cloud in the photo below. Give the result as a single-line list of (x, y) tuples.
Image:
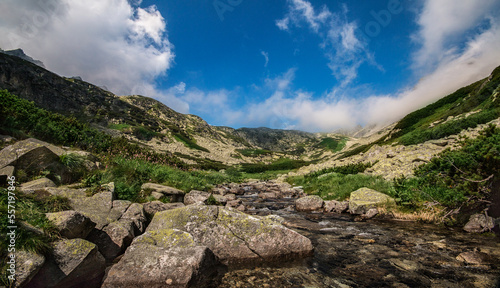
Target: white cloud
[(443, 23), (343, 49), (266, 57), (111, 43)]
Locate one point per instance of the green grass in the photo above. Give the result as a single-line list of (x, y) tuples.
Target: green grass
[(30, 209), (280, 164), (336, 186), (332, 144)]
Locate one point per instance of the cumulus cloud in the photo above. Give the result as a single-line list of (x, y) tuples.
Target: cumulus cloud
[(345, 51), (113, 43)]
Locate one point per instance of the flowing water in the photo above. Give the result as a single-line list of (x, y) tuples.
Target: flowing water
[(374, 253)]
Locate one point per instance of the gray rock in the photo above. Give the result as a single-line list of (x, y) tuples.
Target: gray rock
[(175, 194), (136, 214), (219, 198), (151, 208), (27, 266), (75, 263), (32, 186), (268, 195), (233, 236), (115, 238), (157, 195), (479, 223), (71, 224), (5, 173), (475, 258), (364, 199), (309, 203), (97, 208), (164, 258), (233, 203), (70, 193), (196, 197), (336, 206)]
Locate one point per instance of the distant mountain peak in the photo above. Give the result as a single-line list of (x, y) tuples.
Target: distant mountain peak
[(20, 54)]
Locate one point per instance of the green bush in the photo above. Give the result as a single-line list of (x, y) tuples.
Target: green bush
[(190, 143), (281, 164)]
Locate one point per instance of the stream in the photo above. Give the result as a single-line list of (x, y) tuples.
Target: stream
[(375, 253)]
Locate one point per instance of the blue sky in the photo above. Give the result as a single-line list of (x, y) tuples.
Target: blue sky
[(290, 64)]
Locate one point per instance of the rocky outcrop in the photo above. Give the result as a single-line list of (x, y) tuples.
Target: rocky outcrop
[(71, 224), (309, 203), (151, 208), (164, 258), (75, 263), (233, 236), (479, 223), (364, 199)]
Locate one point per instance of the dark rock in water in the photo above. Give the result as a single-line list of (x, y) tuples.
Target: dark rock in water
[(309, 203), (336, 206), (236, 238), (75, 263), (479, 223)]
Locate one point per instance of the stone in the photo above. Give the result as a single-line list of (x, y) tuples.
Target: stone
[(268, 195), (70, 193), (233, 203), (230, 197), (219, 198), (175, 194), (32, 186), (157, 195), (372, 212), (151, 208), (27, 266), (309, 203), (233, 236), (364, 199), (165, 258), (5, 173), (336, 206), (136, 214), (75, 263), (71, 224), (196, 197), (479, 223), (97, 208), (32, 156), (474, 258), (114, 238)]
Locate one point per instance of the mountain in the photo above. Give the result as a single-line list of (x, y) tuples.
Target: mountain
[(20, 53), (150, 122)]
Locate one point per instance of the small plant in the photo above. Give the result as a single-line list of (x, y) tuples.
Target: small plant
[(212, 201), (72, 160)]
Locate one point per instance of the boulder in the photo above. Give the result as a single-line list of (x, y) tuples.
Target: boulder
[(99, 208), (151, 208), (233, 203), (113, 239), (136, 214), (27, 266), (479, 223), (32, 186), (475, 258), (175, 194), (164, 258), (75, 263), (157, 195), (70, 193), (71, 224), (196, 197), (364, 199), (32, 156), (309, 203), (233, 236), (336, 206)]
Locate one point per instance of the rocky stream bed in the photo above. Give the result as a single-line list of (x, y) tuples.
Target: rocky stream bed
[(373, 253)]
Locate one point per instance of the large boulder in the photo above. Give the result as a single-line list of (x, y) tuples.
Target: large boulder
[(196, 197), (71, 224), (101, 208), (135, 213), (32, 156), (113, 239), (164, 258), (175, 195), (479, 223), (75, 263), (30, 187), (5, 173), (233, 236), (364, 199), (28, 265), (309, 203)]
